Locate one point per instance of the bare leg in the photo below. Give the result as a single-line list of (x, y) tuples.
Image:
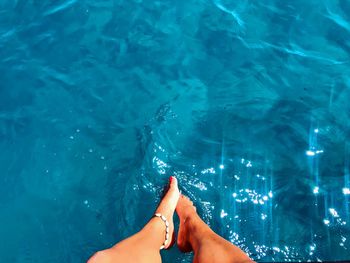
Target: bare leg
[(195, 235), (143, 247)]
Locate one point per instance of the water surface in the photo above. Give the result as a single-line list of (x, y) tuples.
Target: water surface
[(246, 102)]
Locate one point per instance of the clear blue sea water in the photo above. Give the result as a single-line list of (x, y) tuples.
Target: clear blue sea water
[(246, 102)]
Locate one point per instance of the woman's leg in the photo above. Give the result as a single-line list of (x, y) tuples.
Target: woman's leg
[(143, 247), (195, 235)]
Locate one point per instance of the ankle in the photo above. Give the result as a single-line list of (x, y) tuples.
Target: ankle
[(154, 232), (198, 231), (155, 225)]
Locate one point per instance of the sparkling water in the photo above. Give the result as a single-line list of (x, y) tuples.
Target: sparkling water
[(246, 102)]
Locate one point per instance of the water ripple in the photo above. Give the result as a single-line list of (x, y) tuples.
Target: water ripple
[(60, 7)]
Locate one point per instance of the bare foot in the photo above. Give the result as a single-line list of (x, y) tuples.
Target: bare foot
[(186, 212), (167, 207), (195, 234)]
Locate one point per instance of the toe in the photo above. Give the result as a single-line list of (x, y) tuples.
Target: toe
[(173, 182)]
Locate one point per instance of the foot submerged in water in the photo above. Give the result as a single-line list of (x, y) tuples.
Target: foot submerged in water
[(187, 214), (167, 207)]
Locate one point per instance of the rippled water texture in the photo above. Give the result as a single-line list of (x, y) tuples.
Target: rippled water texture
[(246, 102)]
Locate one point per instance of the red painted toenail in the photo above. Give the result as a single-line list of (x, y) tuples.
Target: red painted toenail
[(170, 179)]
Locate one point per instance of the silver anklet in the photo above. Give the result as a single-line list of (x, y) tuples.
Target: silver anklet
[(166, 229)]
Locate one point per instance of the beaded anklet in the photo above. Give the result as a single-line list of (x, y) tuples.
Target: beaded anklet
[(163, 218)]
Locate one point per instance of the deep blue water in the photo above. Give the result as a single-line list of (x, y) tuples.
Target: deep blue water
[(246, 102)]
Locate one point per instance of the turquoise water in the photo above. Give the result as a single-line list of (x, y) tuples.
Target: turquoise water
[(246, 102)]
